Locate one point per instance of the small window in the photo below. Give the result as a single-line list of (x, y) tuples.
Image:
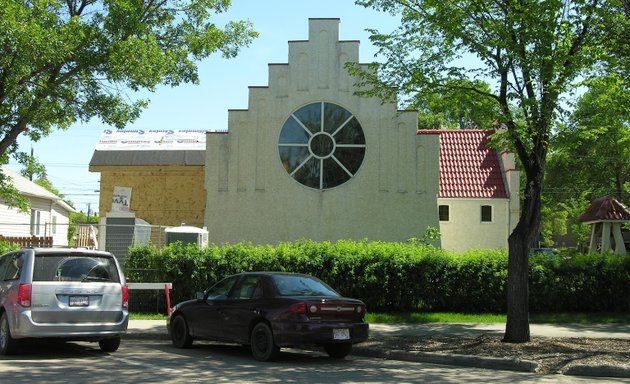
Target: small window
[(11, 266), (443, 212), (14, 267), (54, 225), (486, 213), (35, 222)]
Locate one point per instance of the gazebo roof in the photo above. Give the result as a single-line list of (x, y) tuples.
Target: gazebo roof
[(605, 208)]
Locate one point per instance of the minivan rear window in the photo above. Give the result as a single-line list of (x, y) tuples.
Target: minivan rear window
[(64, 267)]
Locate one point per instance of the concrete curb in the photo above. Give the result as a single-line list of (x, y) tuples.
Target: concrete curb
[(449, 359), (598, 370)]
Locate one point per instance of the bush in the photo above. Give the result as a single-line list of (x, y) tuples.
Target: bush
[(5, 247), (399, 277)]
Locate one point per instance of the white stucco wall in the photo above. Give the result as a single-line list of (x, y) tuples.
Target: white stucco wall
[(465, 230), (252, 198)]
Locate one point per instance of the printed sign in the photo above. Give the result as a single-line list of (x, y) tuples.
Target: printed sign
[(121, 199)]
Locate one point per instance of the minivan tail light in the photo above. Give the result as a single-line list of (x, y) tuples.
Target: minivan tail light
[(125, 296), (24, 295), (298, 308)]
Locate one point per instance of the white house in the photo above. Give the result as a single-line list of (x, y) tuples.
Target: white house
[(48, 215)]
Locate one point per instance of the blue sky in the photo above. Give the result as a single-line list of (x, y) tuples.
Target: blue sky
[(223, 85)]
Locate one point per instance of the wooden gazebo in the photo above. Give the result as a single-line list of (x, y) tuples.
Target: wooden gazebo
[(606, 215)]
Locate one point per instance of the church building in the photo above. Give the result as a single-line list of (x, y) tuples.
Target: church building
[(309, 159)]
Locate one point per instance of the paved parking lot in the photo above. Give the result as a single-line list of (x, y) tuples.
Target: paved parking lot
[(156, 361)]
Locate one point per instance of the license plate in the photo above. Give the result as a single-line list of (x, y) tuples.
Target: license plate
[(341, 334), (79, 301)]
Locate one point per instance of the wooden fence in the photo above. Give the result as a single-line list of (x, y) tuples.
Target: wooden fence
[(29, 241)]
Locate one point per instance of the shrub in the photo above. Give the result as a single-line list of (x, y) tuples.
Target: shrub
[(402, 277)]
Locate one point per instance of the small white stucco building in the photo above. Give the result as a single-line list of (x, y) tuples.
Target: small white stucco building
[(309, 159), (478, 200)]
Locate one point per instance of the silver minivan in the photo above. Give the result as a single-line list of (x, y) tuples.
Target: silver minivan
[(62, 293)]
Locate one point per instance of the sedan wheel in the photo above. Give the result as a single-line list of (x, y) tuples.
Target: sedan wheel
[(262, 344), (109, 345), (7, 343), (338, 351), (180, 335)]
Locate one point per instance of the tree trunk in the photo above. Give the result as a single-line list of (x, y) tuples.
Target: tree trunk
[(519, 242), (517, 326)]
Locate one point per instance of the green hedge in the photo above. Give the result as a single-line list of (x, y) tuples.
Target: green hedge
[(399, 276)]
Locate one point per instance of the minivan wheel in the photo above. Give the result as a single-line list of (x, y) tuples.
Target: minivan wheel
[(180, 335), (109, 345), (338, 351), (262, 344), (8, 345)]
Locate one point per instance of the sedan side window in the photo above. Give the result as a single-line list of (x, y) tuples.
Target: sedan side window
[(222, 289), (249, 288)]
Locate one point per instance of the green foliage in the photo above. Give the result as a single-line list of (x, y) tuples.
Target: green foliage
[(591, 156), (63, 61), (7, 247), (449, 107), (10, 195), (592, 153), (33, 169), (432, 317), (577, 282), (532, 53), (399, 277)]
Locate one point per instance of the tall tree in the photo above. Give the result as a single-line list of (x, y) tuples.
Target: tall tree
[(67, 60), (531, 52), (449, 108), (590, 156)]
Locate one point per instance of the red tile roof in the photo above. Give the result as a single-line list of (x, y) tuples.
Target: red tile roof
[(468, 166), (605, 208)]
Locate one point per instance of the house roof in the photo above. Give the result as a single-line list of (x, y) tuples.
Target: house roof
[(30, 189), (135, 148), (468, 166), (605, 208), (148, 157)]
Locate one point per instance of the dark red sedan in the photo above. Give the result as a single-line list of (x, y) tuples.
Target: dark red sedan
[(271, 310)]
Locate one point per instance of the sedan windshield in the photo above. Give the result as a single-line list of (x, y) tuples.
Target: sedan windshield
[(290, 285)]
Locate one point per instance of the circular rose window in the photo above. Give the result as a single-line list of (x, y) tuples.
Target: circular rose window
[(321, 145)]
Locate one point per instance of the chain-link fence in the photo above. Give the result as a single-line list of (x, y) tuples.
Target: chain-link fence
[(115, 238)]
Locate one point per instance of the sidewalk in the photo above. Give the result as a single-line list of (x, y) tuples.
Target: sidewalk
[(156, 329)]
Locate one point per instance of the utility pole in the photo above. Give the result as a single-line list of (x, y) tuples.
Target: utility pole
[(30, 161)]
